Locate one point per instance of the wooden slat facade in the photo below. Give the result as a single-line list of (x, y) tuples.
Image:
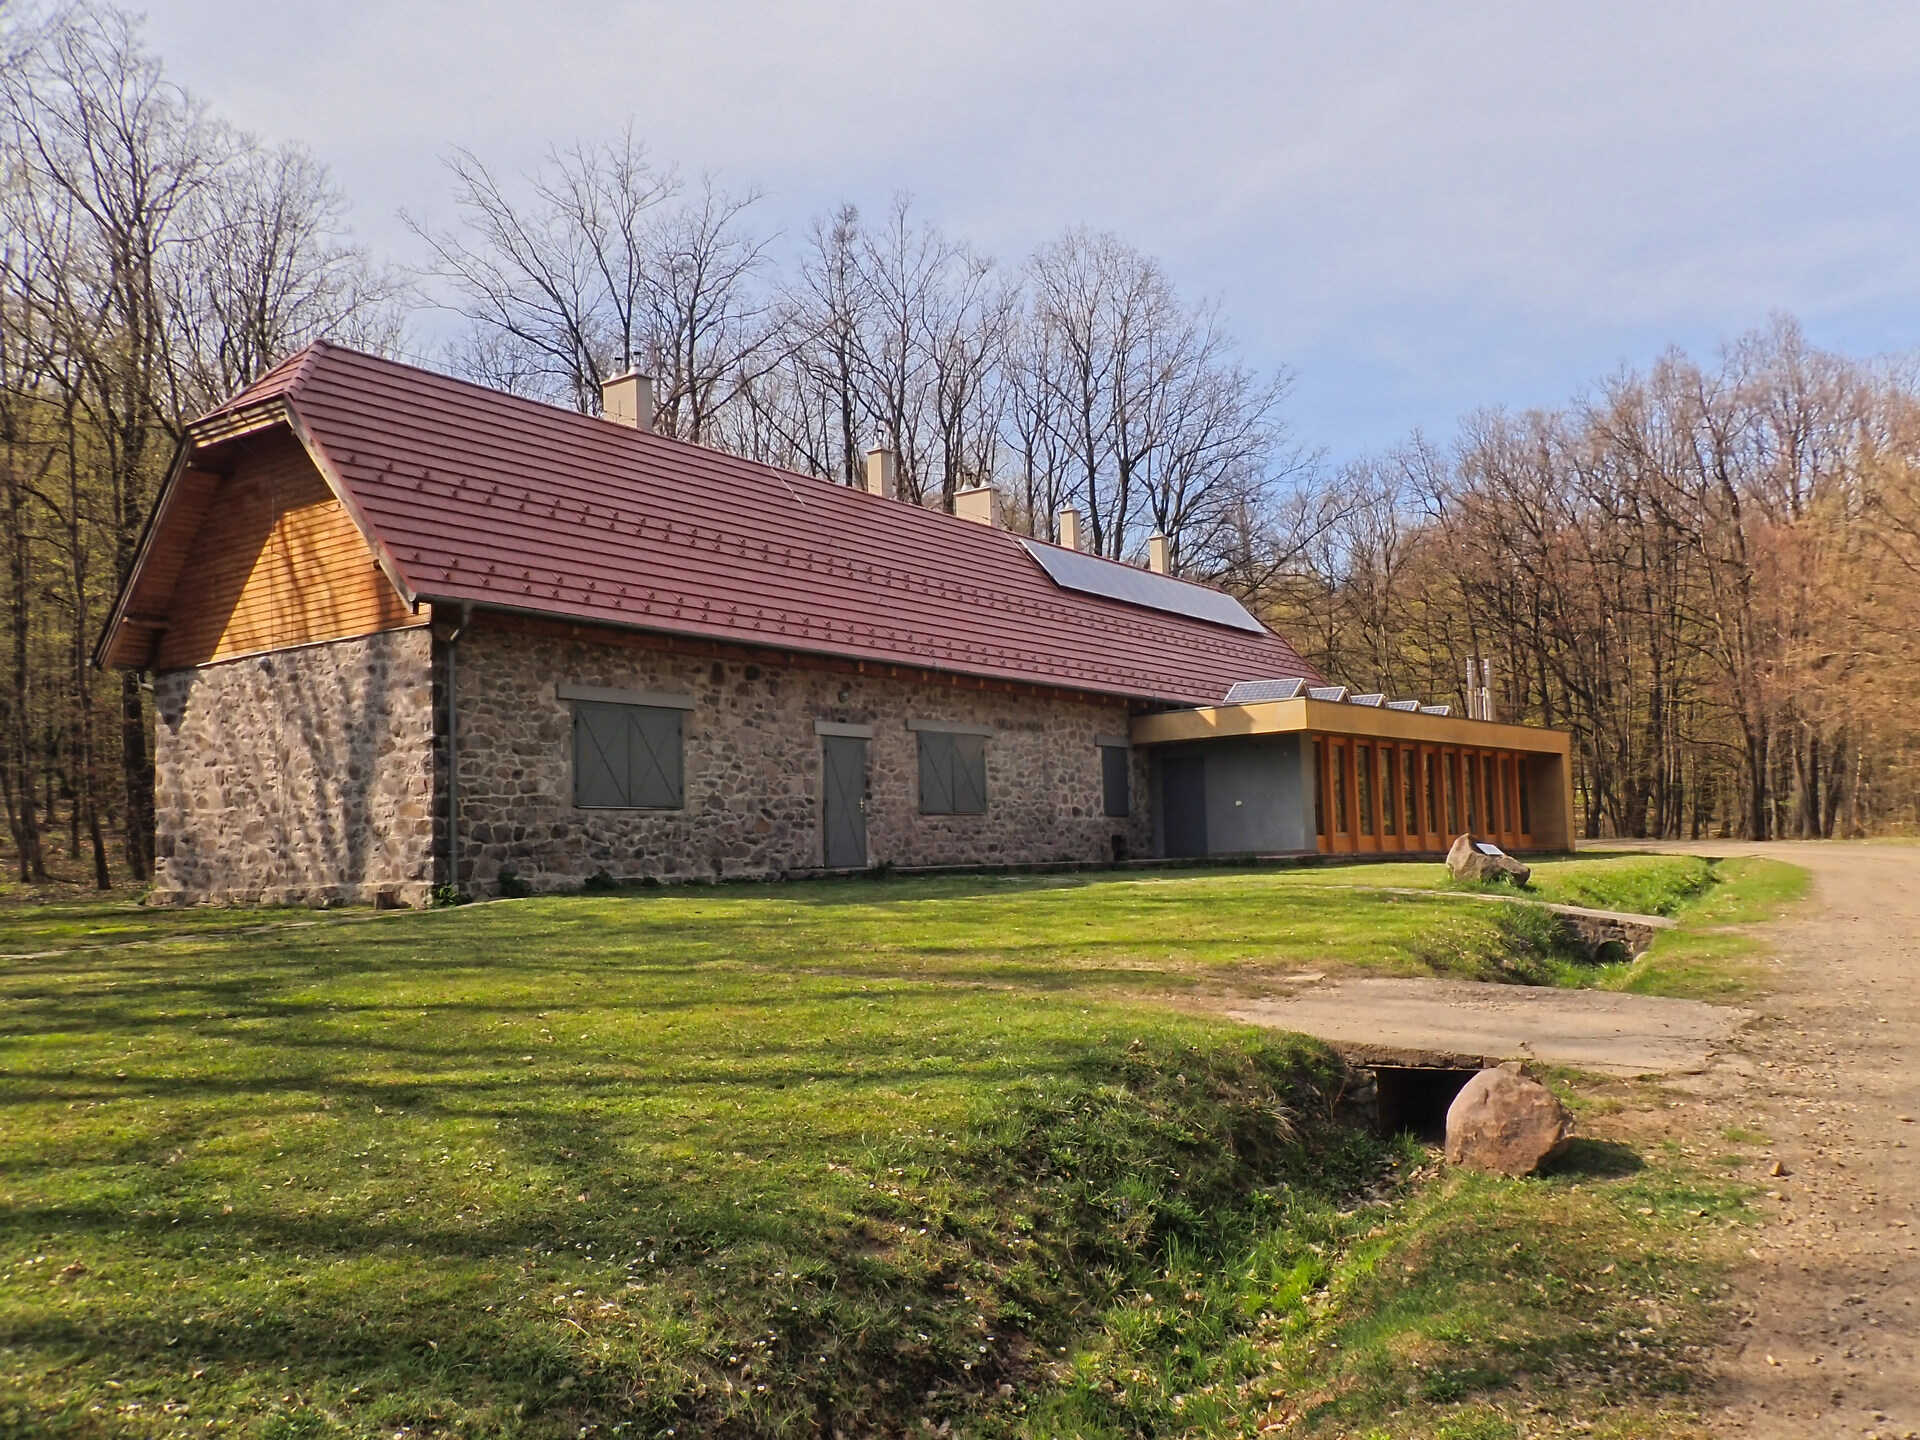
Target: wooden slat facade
[(275, 562), (1379, 796)]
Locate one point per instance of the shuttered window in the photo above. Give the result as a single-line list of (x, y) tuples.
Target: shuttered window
[(627, 757), (1116, 780), (953, 773)]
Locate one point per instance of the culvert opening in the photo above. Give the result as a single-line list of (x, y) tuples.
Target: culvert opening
[(1415, 1098)]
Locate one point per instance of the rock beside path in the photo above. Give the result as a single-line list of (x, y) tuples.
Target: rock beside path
[(1506, 1123), (1468, 861)]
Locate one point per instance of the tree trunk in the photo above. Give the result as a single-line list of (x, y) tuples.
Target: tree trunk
[(137, 766)]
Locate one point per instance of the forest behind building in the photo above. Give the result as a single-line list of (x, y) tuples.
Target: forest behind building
[(1707, 569)]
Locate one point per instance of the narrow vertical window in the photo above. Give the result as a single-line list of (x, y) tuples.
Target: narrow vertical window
[(1363, 769), (1390, 792), (1116, 782), (1320, 788), (1412, 763)]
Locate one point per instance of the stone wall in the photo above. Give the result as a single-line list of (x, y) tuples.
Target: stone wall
[(753, 767), (304, 776), (1603, 935)]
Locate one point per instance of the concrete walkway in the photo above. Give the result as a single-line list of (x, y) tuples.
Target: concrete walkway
[(1426, 1022)]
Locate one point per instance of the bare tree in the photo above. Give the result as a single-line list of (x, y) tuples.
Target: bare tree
[(270, 270), (155, 260), (1165, 430), (101, 132), (713, 327), (553, 280)]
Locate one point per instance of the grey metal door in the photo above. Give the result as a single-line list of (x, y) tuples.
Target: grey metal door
[(844, 808), (1183, 801)]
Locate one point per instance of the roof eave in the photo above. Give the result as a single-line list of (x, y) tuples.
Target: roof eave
[(481, 602)]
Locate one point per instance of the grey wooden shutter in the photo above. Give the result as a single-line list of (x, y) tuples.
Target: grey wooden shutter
[(599, 755), (655, 778), (936, 773), (627, 757), (969, 774), (1116, 779)]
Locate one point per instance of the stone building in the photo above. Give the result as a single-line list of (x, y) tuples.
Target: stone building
[(404, 631)]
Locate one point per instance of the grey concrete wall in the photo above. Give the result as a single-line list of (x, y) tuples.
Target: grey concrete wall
[(1549, 802), (1259, 793), (300, 777)]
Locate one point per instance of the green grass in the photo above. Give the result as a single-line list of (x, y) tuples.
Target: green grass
[(1123, 931), (766, 1161), (1639, 884), (1462, 1306), (32, 926), (519, 1168), (1715, 954)]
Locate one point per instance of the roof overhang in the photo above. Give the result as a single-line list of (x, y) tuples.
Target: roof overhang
[(1331, 717)]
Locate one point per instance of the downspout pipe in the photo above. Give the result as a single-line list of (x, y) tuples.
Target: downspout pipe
[(450, 638)]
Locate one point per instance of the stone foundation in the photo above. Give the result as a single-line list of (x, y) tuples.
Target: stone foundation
[(300, 777), (753, 766)]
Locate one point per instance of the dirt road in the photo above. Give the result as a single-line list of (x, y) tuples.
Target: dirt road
[(1830, 1343)]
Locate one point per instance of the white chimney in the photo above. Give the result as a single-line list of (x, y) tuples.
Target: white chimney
[(628, 400), (883, 473), (979, 503), (1070, 528), (1159, 555)]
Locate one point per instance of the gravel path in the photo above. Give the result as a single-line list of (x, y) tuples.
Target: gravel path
[(1830, 1338)]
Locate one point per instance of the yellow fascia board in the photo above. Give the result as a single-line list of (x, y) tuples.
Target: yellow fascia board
[(1330, 717)]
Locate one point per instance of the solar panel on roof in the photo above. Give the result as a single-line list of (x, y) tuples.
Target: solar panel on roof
[(1249, 692), (1091, 575), (1372, 699), (1327, 692), (1403, 704), (1436, 709)]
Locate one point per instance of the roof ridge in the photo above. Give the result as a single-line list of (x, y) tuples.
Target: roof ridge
[(276, 381)]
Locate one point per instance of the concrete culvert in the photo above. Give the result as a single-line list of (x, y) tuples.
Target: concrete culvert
[(1414, 1098)]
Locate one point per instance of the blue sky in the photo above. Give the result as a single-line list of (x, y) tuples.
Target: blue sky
[(1420, 209)]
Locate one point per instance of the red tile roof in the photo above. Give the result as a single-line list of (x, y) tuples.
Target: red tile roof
[(485, 497)]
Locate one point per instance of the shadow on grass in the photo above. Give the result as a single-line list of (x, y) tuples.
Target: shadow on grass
[(1597, 1160)]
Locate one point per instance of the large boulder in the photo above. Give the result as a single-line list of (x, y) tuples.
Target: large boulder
[(1472, 858), (1505, 1122)]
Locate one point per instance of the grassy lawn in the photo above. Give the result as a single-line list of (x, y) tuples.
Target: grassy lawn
[(1716, 955), (1639, 884), (793, 1161), (27, 927)]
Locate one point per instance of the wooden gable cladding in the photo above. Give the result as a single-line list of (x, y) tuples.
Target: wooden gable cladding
[(145, 618), (276, 561)]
